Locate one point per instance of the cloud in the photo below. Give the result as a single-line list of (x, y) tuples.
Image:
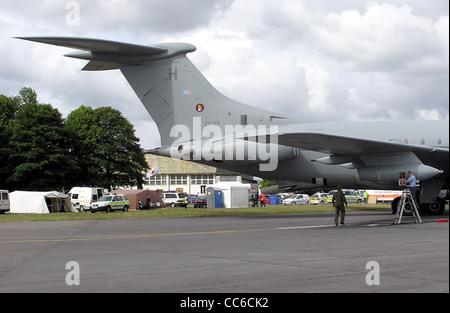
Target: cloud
[(383, 39), (327, 60)]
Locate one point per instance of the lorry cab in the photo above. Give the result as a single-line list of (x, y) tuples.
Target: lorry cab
[(83, 197)]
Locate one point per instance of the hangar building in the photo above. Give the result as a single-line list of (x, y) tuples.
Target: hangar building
[(191, 177)]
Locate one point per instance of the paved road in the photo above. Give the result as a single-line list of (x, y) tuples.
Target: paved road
[(258, 254)]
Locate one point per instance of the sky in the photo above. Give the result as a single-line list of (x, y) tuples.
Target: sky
[(320, 59)]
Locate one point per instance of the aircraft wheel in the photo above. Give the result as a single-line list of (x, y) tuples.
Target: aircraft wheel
[(396, 206), (435, 208)]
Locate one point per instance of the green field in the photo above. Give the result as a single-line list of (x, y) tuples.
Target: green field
[(184, 213)]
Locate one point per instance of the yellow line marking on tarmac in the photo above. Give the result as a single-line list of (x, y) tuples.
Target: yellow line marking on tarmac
[(305, 227), (109, 237)]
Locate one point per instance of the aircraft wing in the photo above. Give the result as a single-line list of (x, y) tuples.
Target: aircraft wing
[(342, 145), (365, 154)]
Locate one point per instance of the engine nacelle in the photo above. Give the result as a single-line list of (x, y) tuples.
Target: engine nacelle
[(238, 151), (389, 174)]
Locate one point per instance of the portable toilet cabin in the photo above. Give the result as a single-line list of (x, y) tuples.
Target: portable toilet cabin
[(235, 195), (214, 198)]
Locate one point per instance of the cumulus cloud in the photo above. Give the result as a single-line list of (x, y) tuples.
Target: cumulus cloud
[(332, 60), (383, 39)]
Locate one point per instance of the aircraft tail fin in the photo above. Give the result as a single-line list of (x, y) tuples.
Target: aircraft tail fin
[(172, 89)]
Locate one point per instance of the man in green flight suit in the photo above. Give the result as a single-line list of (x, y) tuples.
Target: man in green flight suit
[(339, 203)]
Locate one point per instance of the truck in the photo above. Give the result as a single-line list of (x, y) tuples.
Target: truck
[(83, 197)]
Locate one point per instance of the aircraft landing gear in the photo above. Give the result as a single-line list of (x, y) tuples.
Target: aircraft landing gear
[(435, 208)]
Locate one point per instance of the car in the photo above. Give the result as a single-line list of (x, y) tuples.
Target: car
[(111, 203), (296, 199), (4, 201), (350, 195), (318, 198), (200, 202), (173, 199)]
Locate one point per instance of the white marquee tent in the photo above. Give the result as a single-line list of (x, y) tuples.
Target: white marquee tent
[(39, 202)]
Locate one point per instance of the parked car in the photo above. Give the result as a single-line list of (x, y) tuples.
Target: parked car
[(350, 195), (200, 201), (318, 198), (4, 201), (111, 203), (173, 199), (296, 199)]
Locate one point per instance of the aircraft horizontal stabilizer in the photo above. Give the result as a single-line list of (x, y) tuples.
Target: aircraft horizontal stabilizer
[(109, 55)]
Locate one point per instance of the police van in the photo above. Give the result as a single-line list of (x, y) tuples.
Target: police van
[(4, 201)]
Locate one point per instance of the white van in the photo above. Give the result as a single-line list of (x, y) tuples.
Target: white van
[(83, 197), (4, 201)]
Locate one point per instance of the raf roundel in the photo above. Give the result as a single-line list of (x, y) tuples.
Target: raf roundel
[(200, 108)]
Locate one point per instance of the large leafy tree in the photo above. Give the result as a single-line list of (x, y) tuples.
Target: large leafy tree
[(39, 146), (107, 148), (8, 108), (82, 124)]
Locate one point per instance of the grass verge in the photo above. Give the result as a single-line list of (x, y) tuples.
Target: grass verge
[(183, 213)]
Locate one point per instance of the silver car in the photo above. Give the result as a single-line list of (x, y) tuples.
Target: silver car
[(296, 199)]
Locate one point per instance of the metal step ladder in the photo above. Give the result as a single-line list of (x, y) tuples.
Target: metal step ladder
[(407, 197)]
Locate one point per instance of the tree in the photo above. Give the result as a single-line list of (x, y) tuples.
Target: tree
[(39, 144), (266, 183), (82, 124), (106, 148), (8, 109)]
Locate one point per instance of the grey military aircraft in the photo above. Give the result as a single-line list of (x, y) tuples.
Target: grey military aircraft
[(197, 123)]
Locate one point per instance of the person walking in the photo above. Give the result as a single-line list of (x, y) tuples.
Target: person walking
[(254, 201), (366, 196), (263, 200), (339, 203)]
